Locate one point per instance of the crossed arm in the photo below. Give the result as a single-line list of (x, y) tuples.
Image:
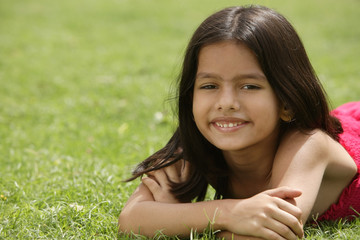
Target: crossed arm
[(145, 215), (272, 214)]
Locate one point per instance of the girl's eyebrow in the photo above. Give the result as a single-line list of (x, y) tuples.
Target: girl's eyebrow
[(207, 75), (237, 77)]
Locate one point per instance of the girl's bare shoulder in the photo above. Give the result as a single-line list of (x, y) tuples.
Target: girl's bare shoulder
[(318, 147), (314, 143)]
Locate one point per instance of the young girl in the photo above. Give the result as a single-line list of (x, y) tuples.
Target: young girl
[(254, 124)]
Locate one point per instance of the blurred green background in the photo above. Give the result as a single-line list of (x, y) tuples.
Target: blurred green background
[(84, 89)]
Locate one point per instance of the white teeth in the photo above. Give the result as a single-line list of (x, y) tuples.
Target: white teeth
[(225, 125)]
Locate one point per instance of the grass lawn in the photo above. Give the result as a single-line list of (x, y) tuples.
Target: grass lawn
[(83, 84)]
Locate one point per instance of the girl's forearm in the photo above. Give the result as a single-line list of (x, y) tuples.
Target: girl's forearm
[(142, 215), (149, 217)]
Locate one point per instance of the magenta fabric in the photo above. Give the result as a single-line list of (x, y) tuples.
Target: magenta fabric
[(349, 116)]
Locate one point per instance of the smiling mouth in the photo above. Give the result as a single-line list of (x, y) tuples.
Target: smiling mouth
[(228, 125)]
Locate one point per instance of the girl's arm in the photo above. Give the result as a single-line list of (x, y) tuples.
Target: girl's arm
[(152, 208), (143, 215), (147, 212), (315, 164)]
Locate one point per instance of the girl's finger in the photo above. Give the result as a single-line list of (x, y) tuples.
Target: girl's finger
[(173, 172), (159, 193), (284, 192), (280, 229), (151, 184), (290, 208), (160, 177), (288, 218)]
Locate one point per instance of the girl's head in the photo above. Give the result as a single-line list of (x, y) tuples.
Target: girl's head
[(282, 58)]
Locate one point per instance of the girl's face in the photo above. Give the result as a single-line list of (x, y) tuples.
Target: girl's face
[(234, 106)]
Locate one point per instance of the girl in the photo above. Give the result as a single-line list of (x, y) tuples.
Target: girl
[(254, 124)]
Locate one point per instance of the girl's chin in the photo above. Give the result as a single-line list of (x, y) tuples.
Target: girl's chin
[(229, 147)]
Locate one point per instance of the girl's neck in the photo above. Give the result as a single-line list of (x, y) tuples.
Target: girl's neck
[(250, 170)]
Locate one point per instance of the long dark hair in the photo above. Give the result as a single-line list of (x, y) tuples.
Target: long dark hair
[(285, 64)]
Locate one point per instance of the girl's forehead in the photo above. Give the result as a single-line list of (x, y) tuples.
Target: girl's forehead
[(229, 56), (221, 48)]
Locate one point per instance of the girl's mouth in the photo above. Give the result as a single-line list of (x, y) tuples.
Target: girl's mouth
[(228, 125)]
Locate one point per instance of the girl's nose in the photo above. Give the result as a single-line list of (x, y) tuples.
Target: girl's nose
[(228, 100)]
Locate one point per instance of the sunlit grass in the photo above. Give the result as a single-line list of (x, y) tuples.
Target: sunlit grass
[(84, 89)]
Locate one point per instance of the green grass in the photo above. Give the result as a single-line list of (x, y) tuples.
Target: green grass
[(81, 82)]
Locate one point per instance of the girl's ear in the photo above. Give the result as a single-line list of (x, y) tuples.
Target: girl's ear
[(286, 114)]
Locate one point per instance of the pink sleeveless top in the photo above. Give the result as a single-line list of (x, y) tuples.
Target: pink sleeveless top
[(348, 205)]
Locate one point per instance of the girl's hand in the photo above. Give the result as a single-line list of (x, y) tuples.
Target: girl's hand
[(268, 215), (158, 182)]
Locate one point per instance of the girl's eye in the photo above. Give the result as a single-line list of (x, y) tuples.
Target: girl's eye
[(250, 87), (208, 86)]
